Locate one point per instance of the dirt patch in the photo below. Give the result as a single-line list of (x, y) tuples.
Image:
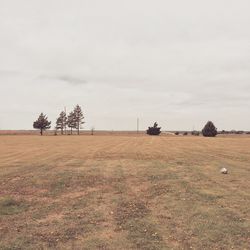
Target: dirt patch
[(51, 217), (128, 210)]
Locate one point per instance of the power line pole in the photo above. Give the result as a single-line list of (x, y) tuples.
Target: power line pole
[(65, 126), (137, 125)]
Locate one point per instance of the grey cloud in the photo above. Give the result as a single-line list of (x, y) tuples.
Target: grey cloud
[(65, 78), (175, 61), (9, 73)]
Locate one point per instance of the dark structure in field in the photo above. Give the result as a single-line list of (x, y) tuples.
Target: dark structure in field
[(209, 130), (155, 130)]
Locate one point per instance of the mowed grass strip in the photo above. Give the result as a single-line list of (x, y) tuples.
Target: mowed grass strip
[(118, 192)]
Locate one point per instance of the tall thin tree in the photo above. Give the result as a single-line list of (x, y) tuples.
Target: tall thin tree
[(42, 123), (61, 122), (71, 121), (65, 125), (78, 114)]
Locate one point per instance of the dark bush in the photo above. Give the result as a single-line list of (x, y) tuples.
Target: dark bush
[(196, 133), (185, 133), (176, 133), (224, 132), (209, 130), (155, 130), (239, 132)]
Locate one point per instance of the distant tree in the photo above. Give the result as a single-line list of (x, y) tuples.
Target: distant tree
[(196, 133), (78, 115), (239, 132), (92, 130), (61, 121), (42, 123), (209, 130), (155, 130), (71, 121)]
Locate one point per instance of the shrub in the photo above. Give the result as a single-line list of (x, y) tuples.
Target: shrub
[(176, 133), (9, 206), (196, 133), (239, 132), (209, 130), (155, 130), (185, 133)]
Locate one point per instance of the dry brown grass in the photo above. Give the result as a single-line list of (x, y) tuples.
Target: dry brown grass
[(124, 192)]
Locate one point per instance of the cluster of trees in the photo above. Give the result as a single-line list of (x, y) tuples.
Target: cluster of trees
[(73, 121), (236, 132), (209, 130)]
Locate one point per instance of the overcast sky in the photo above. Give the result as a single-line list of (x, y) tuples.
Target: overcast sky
[(179, 62)]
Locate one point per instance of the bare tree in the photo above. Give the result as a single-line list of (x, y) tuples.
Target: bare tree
[(42, 123)]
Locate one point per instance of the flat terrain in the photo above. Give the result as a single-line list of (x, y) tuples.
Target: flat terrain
[(124, 192)]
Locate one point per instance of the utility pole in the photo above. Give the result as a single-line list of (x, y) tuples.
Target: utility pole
[(65, 126), (137, 125)]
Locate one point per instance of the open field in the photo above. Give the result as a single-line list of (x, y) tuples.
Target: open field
[(124, 192)]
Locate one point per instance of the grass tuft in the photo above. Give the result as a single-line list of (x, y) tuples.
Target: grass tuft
[(10, 206)]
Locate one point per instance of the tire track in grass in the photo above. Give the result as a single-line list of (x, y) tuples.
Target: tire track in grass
[(132, 215)]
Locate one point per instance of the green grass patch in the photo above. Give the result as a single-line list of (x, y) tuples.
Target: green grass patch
[(133, 216), (10, 206)]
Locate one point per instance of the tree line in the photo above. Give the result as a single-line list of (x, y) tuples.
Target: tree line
[(73, 121), (209, 130)]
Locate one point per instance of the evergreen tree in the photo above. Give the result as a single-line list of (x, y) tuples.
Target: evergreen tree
[(61, 121), (42, 123), (209, 130), (71, 121), (155, 130), (78, 115)]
